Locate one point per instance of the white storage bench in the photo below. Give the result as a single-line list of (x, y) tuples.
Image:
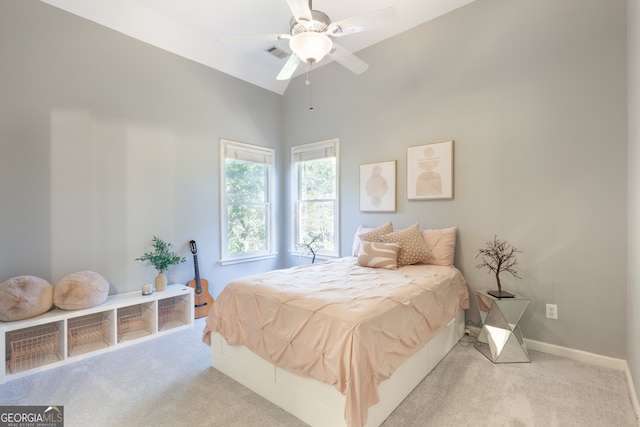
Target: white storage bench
[(59, 337)]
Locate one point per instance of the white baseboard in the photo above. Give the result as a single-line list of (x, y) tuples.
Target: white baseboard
[(596, 359), (570, 353), (632, 393)]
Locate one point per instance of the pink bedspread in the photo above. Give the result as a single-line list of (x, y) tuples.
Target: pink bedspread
[(339, 323)]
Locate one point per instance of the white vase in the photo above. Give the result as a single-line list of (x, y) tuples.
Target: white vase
[(161, 282)]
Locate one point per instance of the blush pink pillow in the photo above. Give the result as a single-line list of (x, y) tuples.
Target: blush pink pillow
[(442, 245)]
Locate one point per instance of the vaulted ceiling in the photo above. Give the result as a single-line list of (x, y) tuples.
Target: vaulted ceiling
[(194, 28)]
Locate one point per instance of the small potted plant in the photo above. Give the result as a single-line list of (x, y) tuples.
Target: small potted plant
[(499, 256), (161, 258)]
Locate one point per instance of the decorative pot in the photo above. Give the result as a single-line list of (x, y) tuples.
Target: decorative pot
[(501, 294), (161, 282)]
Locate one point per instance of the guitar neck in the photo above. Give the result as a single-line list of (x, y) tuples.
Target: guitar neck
[(197, 272)]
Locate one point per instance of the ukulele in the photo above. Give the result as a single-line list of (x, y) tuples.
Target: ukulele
[(201, 295)]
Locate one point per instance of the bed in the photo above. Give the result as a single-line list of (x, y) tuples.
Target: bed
[(337, 343)]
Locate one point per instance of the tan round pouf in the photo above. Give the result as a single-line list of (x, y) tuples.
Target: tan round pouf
[(22, 297), (80, 290)]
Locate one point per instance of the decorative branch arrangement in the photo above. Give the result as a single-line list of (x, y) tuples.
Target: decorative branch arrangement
[(309, 246), (499, 256)]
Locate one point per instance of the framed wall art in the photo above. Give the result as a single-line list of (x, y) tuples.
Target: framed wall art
[(430, 171), (378, 187)]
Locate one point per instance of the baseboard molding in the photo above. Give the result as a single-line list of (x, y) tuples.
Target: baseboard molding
[(632, 393), (596, 359), (570, 353)]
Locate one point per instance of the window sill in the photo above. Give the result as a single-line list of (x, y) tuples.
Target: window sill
[(318, 256), (231, 261)]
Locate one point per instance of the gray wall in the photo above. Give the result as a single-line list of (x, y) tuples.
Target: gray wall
[(106, 141), (534, 94), (633, 300)]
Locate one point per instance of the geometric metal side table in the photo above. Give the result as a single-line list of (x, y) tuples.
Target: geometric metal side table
[(500, 338)]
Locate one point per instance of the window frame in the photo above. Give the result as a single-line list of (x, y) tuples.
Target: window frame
[(313, 151), (247, 152)]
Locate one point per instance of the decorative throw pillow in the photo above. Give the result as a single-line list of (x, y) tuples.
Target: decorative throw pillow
[(414, 249), (22, 297), (80, 290), (355, 247), (441, 244), (379, 255), (376, 234)]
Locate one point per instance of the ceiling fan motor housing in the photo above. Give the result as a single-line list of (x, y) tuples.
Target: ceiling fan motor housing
[(309, 40), (319, 23)]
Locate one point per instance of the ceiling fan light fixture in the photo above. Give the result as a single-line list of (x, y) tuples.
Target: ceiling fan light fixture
[(311, 46)]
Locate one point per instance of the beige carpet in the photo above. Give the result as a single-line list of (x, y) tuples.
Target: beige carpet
[(167, 381)]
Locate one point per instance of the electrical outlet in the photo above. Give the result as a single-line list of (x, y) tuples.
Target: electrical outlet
[(552, 311), (472, 330)]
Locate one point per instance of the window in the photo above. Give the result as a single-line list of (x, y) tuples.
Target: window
[(315, 198), (247, 205)]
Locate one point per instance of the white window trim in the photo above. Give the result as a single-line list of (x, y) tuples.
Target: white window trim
[(307, 152), (255, 153), (239, 260)]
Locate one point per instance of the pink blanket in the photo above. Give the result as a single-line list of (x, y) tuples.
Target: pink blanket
[(343, 324)]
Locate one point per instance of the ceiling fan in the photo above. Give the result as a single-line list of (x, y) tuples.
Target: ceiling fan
[(312, 33)]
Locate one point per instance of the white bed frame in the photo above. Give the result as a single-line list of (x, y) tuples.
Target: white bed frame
[(320, 404)]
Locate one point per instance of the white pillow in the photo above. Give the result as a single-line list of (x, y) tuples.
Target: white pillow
[(355, 248)]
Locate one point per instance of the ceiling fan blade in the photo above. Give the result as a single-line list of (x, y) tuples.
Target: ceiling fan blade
[(255, 37), (300, 10), (289, 67), (348, 59), (360, 23)]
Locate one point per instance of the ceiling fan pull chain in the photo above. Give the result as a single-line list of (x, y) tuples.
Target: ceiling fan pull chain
[(308, 83), (308, 80)]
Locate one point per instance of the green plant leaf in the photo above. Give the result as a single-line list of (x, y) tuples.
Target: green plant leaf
[(161, 257)]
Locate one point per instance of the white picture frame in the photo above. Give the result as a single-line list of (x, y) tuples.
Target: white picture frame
[(378, 187), (430, 171)]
